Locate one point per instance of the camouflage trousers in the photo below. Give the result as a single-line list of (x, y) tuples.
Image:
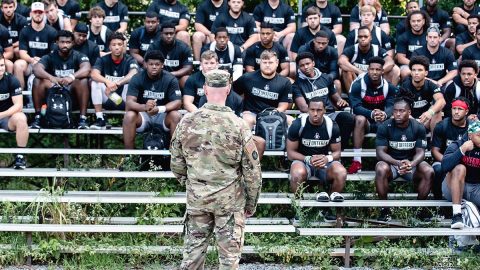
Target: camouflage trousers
[(199, 227)]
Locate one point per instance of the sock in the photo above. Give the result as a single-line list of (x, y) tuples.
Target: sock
[(99, 115), (457, 209), (83, 116), (357, 157)]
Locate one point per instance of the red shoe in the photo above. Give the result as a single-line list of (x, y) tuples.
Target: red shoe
[(355, 167)]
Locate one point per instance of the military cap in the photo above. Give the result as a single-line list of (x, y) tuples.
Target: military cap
[(217, 78)]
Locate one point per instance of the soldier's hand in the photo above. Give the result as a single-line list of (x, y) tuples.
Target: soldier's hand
[(467, 146)]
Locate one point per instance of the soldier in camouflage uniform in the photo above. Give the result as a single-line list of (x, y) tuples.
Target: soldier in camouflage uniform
[(213, 153)]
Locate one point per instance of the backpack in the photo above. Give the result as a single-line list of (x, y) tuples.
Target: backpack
[(59, 108), (328, 123), (471, 219), (272, 126), (155, 139)]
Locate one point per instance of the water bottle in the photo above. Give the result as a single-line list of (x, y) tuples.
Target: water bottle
[(115, 98)]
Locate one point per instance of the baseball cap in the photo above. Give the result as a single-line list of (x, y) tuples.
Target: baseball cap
[(217, 78), (38, 6)]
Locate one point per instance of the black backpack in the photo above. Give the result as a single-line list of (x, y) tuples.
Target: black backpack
[(155, 139), (272, 126), (59, 108)]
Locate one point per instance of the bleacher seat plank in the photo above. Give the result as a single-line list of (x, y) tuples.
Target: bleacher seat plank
[(376, 203), (112, 131), (386, 231), (86, 228)]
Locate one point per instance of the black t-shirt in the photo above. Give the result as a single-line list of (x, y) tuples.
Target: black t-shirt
[(207, 13), (279, 17), (460, 28), (114, 15), (176, 56), (252, 55), (141, 39), (260, 93), (321, 85), (22, 10), (457, 89), (313, 140), (101, 38), (169, 13), (440, 62), (446, 133), (239, 30), (37, 43), (71, 9), (364, 98), (14, 27), (90, 49), (9, 87), (439, 18), (423, 97), (463, 38), (379, 38), (303, 36), (401, 28), (59, 23), (407, 43), (326, 61), (164, 90), (331, 15), (401, 142), (59, 67), (115, 72), (4, 38), (234, 102), (360, 59), (381, 17), (232, 55), (194, 87), (472, 52)]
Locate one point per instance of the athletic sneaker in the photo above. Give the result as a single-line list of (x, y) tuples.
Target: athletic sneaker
[(457, 221), (336, 197), (82, 123), (20, 162), (99, 124), (385, 215), (36, 122), (323, 197), (355, 167)]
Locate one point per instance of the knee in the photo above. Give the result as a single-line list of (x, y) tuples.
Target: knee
[(360, 120), (129, 118), (298, 174), (198, 37), (340, 172), (381, 168), (459, 172), (20, 64), (174, 116)]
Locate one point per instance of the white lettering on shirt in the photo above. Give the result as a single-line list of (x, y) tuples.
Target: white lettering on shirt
[(317, 93), (172, 63), (315, 143), (38, 45), (412, 48), (170, 14), (153, 95), (111, 19), (420, 104), (264, 94), (402, 145), (274, 20), (235, 30), (4, 96), (325, 20), (362, 67), (113, 78), (436, 67), (63, 72)]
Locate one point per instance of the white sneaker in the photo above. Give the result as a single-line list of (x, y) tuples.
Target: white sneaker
[(336, 197), (323, 197)]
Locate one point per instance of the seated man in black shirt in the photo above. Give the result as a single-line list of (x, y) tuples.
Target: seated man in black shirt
[(461, 13), (428, 99), (311, 83), (11, 116), (263, 89), (465, 84), (55, 17), (205, 15), (116, 12), (251, 60), (111, 75), (83, 45), (354, 59), (310, 139), (400, 144), (411, 6), (172, 11), (178, 55), (467, 38), (193, 90), (371, 98), (99, 33), (66, 67), (472, 52), (443, 67), (449, 130), (143, 36), (72, 9), (461, 163), (326, 57), (13, 21), (153, 100)]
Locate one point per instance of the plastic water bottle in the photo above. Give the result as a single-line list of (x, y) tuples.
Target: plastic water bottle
[(43, 111), (116, 98)]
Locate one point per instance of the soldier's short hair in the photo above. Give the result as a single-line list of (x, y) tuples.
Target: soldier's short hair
[(267, 54), (208, 54), (368, 8), (96, 12), (313, 11)]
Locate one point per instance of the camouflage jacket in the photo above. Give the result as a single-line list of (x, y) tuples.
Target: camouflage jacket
[(213, 153)]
